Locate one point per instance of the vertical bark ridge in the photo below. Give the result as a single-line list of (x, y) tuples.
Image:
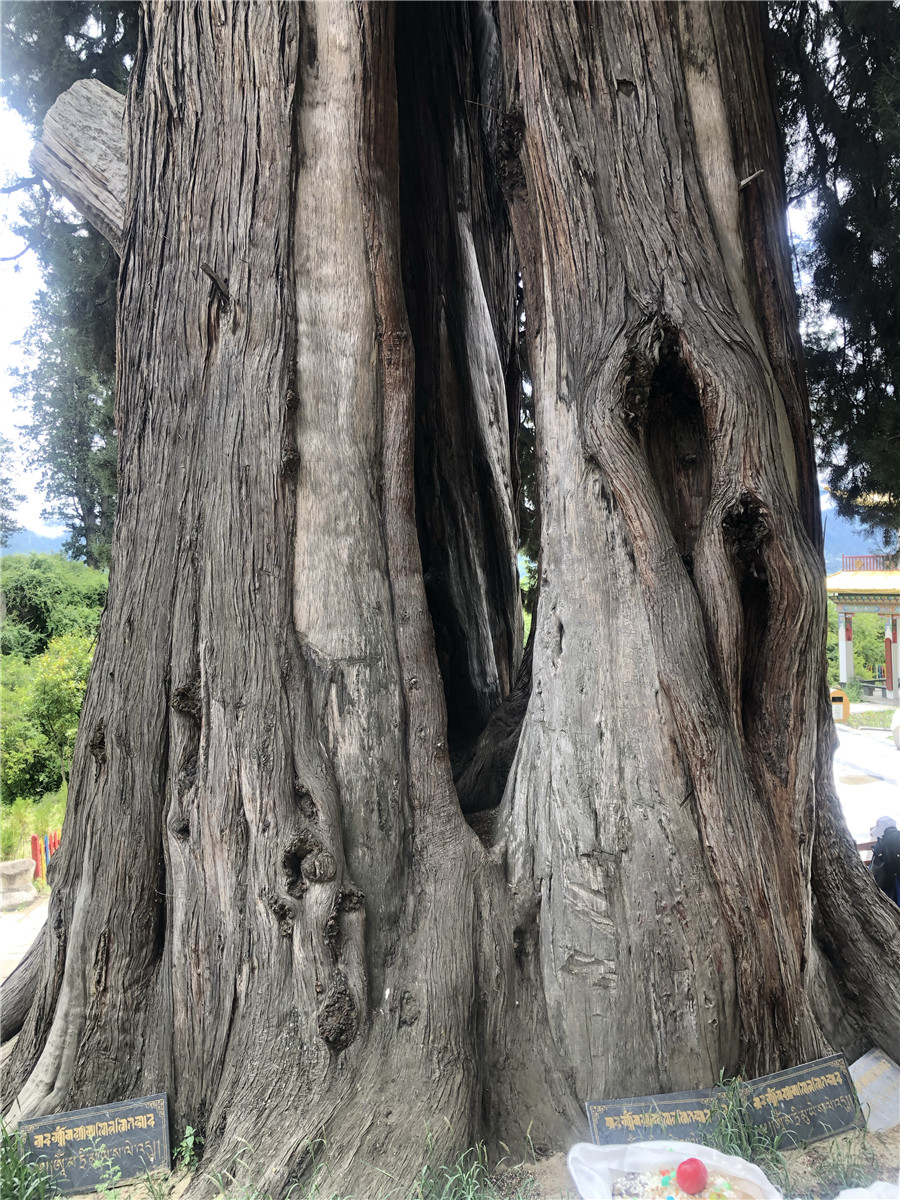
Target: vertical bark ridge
[(622, 162), (209, 418)]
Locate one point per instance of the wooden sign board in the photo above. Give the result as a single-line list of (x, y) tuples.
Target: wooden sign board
[(113, 1144), (803, 1104)]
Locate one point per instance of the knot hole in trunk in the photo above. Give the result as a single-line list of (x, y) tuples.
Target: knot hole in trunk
[(677, 447)]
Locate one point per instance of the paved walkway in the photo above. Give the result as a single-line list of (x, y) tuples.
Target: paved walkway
[(18, 929)]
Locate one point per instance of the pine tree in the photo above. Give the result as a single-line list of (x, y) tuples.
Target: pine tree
[(839, 93), (10, 499), (70, 378)]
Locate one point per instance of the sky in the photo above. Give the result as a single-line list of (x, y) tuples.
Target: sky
[(20, 281)]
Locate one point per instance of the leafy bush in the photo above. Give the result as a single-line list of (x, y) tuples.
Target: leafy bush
[(46, 596), (40, 702), (20, 1179), (57, 691), (24, 817), (868, 645), (28, 765)]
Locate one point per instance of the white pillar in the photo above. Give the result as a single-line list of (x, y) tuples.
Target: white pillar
[(845, 647), (891, 659)]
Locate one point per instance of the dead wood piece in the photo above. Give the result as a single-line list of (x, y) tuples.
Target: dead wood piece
[(83, 153)]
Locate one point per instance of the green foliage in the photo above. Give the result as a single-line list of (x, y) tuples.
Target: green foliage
[(880, 719), (24, 817), (868, 644), (46, 596), (57, 691), (9, 499), (68, 387), (47, 46), (729, 1131), (28, 765), (839, 93), (109, 1170), (853, 690), (40, 703), (868, 648), (466, 1179), (19, 1178), (188, 1149), (53, 608)]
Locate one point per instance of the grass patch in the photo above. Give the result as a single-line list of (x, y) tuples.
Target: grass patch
[(729, 1131), (847, 1163), (871, 719), (19, 1178), (24, 817)]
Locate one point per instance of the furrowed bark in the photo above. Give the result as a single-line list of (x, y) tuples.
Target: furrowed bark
[(268, 901), (670, 471)]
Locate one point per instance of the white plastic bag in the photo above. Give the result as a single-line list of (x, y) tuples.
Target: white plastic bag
[(880, 1190), (596, 1168)]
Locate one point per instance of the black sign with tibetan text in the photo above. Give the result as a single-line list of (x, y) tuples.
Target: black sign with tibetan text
[(678, 1115), (803, 1104), (101, 1146)]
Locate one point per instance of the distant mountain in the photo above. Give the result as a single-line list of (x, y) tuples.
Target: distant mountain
[(26, 541), (841, 537), (845, 537)]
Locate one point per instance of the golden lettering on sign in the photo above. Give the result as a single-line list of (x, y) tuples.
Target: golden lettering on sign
[(77, 1144)]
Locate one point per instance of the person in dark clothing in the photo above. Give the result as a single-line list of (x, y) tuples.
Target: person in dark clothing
[(885, 865)]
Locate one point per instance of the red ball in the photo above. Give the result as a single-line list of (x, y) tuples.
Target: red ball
[(692, 1176)]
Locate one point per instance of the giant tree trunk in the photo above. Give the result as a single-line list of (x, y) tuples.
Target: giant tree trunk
[(267, 901)]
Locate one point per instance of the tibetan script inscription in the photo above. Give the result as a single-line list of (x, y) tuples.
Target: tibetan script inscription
[(112, 1144), (805, 1104), (679, 1115)]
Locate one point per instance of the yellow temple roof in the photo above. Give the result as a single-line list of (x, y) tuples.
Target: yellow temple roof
[(870, 583)]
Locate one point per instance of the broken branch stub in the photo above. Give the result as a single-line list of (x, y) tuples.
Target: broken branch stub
[(83, 153)]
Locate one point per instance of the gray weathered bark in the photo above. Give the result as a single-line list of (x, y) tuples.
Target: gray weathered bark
[(268, 901)]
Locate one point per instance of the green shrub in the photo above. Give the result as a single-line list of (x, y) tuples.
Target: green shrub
[(40, 703), (57, 692), (46, 596), (28, 765)]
